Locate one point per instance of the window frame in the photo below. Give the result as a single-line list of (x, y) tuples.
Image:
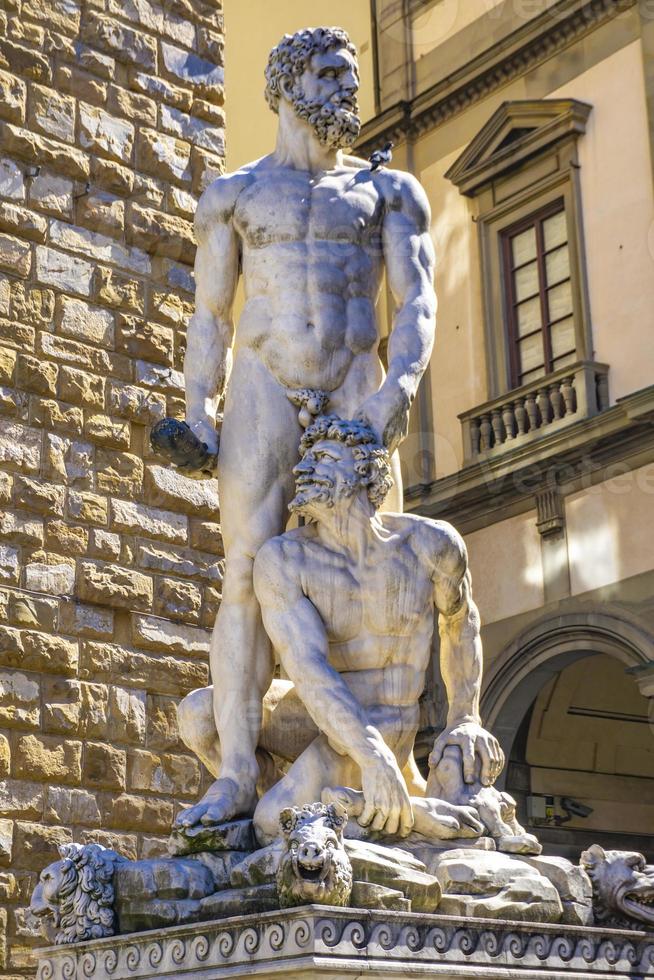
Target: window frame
[(534, 220), (508, 182)]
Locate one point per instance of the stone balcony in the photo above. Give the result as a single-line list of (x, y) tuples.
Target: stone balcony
[(540, 408)]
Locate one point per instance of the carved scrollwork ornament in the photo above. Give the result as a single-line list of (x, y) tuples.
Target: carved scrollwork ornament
[(251, 940), (225, 943), (68, 968), (201, 948), (276, 936), (88, 964), (302, 933), (155, 954), (178, 951)]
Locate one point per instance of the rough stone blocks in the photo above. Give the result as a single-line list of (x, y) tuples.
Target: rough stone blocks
[(105, 603)]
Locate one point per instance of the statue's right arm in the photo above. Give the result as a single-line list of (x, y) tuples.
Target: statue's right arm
[(211, 329), (299, 638)]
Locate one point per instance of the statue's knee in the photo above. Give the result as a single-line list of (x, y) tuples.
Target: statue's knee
[(266, 818), (239, 574), (194, 713)]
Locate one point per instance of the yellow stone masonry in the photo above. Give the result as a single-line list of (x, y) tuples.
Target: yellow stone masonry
[(111, 124)]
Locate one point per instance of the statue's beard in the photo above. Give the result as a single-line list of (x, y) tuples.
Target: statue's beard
[(335, 125), (310, 496)]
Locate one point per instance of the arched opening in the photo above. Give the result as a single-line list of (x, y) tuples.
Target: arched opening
[(577, 733)]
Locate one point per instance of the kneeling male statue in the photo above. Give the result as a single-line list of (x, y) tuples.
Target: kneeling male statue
[(348, 601)]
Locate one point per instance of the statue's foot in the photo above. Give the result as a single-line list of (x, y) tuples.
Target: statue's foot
[(224, 800), (519, 844), (351, 799)]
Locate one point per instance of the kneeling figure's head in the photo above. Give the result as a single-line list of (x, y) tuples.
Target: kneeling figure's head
[(340, 458)]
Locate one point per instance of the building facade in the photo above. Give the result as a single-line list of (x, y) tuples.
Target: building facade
[(530, 127)]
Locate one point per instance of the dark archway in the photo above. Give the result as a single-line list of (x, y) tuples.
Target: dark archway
[(546, 648), (546, 662)]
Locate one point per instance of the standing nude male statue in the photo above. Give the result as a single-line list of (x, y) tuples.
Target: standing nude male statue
[(348, 601), (310, 230)]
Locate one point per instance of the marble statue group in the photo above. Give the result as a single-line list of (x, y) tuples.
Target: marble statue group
[(313, 230), (326, 629)]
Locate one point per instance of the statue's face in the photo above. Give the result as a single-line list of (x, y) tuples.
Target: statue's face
[(325, 96), (326, 473)]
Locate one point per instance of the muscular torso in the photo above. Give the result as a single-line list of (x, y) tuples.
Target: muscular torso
[(378, 615), (311, 263)]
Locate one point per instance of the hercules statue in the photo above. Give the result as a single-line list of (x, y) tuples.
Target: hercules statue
[(311, 230)]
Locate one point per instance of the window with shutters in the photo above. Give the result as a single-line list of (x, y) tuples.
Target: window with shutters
[(523, 176), (540, 314)]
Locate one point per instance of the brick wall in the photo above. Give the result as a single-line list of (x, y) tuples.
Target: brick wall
[(110, 565)]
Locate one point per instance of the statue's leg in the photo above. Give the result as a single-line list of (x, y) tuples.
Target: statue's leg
[(258, 449), (286, 729), (319, 766)]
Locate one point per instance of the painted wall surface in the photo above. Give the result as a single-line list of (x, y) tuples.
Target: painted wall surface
[(506, 567), (618, 202), (618, 217), (611, 530), (442, 19), (460, 326), (254, 28)]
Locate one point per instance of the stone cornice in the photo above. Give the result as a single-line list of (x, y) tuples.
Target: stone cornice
[(544, 122), (492, 489), (541, 37), (316, 940)]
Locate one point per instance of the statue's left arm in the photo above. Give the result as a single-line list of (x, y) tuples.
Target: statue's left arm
[(409, 258), (461, 661)]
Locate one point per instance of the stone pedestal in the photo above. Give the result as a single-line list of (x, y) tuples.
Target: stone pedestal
[(315, 941)]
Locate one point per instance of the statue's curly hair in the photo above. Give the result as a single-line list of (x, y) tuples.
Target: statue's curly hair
[(372, 463), (289, 58)]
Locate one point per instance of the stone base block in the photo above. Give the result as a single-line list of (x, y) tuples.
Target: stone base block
[(314, 941)]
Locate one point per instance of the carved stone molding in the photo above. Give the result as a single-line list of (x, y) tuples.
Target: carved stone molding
[(550, 517), (309, 940), (575, 457), (543, 36)]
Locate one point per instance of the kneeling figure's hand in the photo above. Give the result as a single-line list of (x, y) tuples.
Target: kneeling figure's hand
[(387, 805)]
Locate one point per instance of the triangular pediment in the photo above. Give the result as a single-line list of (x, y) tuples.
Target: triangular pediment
[(515, 132)]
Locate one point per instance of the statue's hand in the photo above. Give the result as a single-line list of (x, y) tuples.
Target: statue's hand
[(453, 820), (180, 445), (473, 740), (387, 805), (387, 412)]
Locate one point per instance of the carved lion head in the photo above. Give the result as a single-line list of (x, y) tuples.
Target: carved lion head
[(75, 895)]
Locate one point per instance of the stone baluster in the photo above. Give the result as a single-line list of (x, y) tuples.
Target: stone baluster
[(520, 414), (509, 420), (532, 411), (475, 436), (498, 428), (486, 433), (569, 395), (544, 407), (556, 400)]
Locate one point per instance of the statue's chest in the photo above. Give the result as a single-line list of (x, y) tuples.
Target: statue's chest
[(389, 599), (278, 210)]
